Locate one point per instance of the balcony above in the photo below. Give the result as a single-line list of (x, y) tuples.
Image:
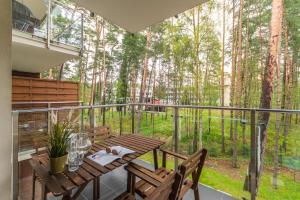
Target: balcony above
[(42, 37)]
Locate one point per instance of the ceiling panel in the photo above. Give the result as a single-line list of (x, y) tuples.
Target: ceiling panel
[(136, 15)]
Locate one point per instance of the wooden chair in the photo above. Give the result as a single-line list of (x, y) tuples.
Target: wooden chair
[(99, 133), (190, 166), (159, 189)]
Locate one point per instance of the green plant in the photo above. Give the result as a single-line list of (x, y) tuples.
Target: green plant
[(58, 140)]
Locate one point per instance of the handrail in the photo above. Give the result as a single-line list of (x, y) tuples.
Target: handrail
[(45, 102), (161, 105)]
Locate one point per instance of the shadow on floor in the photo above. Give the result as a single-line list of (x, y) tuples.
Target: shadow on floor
[(113, 184)]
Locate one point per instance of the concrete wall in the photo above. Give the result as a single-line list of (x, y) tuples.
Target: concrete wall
[(5, 101)]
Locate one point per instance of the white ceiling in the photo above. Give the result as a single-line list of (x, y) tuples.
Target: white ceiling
[(136, 15)]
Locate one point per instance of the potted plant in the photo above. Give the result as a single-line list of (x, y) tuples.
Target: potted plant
[(58, 143)]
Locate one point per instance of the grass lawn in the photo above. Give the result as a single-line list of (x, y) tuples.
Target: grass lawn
[(231, 181)]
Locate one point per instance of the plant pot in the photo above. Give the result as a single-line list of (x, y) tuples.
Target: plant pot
[(57, 165)]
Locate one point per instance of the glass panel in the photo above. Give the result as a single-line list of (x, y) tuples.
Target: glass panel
[(27, 18), (66, 25)]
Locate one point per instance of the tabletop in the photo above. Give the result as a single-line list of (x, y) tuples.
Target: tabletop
[(64, 183)]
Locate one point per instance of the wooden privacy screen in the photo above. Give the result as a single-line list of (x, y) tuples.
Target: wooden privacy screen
[(33, 127), (34, 90)]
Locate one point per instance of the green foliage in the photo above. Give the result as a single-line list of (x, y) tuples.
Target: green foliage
[(58, 139), (133, 50)]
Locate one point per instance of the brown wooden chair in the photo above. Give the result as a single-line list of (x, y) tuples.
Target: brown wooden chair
[(190, 166), (159, 189), (100, 133)]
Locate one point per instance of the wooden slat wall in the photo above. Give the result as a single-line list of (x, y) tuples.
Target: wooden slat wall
[(34, 90), (26, 89)]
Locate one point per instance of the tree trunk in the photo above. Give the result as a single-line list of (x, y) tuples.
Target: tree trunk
[(233, 67), (277, 119), (93, 87), (286, 85), (144, 79), (61, 71), (268, 80), (222, 81), (238, 88)]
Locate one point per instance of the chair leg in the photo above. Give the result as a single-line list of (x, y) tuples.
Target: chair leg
[(155, 159), (44, 192), (196, 193), (98, 187), (95, 189), (33, 185)]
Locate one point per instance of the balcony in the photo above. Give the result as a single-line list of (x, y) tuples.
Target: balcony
[(45, 34), (175, 125)]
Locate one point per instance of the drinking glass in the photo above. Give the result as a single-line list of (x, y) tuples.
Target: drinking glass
[(83, 146), (73, 157)]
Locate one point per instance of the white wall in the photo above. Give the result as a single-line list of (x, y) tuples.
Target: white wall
[(5, 100)]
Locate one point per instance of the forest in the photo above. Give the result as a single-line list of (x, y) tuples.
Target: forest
[(234, 53)]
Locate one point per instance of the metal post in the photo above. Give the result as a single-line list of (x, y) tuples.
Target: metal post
[(132, 119), (103, 115), (15, 121), (253, 165), (81, 117), (49, 118), (152, 122), (92, 117), (121, 120), (176, 133), (49, 23)]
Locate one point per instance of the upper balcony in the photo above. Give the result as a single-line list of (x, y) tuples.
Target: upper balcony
[(45, 34)]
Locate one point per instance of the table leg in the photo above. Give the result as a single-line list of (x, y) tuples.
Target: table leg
[(155, 159), (44, 192), (98, 187), (67, 196), (78, 192), (33, 184), (95, 189)]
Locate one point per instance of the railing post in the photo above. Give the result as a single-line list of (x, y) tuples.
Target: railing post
[(121, 120), (176, 133), (92, 117), (132, 119), (103, 115), (49, 118), (49, 23), (253, 165), (81, 117), (15, 122)]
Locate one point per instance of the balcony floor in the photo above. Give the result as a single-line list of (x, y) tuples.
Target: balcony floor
[(114, 183)]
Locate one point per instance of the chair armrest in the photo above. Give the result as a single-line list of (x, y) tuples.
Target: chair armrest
[(174, 154), (144, 174)]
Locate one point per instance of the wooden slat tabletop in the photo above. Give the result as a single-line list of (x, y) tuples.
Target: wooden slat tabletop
[(62, 184)]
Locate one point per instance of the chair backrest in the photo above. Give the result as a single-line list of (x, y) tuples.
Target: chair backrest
[(193, 166), (169, 189), (99, 133), (40, 144)]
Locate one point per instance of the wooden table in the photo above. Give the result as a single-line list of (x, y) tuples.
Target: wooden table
[(62, 184)]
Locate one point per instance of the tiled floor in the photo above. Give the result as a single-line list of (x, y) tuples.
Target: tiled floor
[(114, 183)]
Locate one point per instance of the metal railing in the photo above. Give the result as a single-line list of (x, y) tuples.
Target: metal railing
[(55, 23), (185, 124)]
